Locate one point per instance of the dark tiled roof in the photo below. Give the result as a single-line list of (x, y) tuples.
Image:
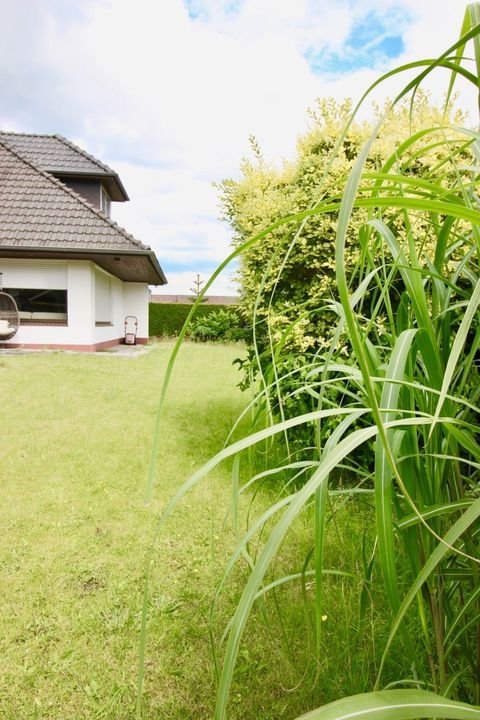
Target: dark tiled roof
[(54, 153), (57, 155), (38, 211)]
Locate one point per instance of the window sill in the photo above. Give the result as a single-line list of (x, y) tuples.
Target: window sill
[(56, 323), (103, 324)]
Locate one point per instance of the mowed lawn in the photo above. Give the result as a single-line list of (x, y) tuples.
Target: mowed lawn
[(76, 536), (75, 530)]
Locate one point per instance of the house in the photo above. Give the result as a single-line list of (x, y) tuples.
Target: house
[(73, 272)]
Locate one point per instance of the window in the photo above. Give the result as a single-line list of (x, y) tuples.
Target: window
[(104, 202), (40, 306)]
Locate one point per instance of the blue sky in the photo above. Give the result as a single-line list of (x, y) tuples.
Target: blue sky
[(374, 40), (167, 92)]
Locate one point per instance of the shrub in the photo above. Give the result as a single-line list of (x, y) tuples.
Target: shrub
[(288, 279), (167, 319), (221, 325)]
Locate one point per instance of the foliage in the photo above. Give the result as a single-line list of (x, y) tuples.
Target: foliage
[(393, 705), (294, 268), (211, 322), (222, 325), (397, 374), (167, 319), (289, 285)]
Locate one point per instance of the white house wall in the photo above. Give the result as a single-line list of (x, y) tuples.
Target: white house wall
[(80, 303), (79, 279), (127, 299), (114, 331), (136, 302)]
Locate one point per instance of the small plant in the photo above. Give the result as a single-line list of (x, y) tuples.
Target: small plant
[(197, 288), (218, 326)]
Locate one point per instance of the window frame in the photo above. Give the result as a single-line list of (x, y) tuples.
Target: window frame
[(105, 201), (36, 315)]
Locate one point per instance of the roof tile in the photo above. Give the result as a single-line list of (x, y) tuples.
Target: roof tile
[(34, 205), (54, 153)]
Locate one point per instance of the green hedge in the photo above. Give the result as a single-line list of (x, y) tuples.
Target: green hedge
[(168, 318)]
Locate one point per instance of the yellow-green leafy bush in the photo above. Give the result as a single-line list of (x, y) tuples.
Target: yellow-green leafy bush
[(288, 279)]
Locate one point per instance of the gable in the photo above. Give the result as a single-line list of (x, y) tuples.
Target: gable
[(41, 217), (62, 158)]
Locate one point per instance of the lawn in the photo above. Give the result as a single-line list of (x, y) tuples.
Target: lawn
[(75, 442), (76, 532)]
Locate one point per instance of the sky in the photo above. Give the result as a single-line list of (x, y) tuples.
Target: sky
[(167, 92)]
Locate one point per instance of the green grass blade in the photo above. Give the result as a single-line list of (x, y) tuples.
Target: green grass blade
[(468, 21), (469, 517), (321, 504), (274, 541), (250, 441), (435, 511), (383, 469), (394, 705), (459, 620), (474, 12), (457, 347)]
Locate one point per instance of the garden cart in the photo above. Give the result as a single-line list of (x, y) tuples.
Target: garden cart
[(131, 325)]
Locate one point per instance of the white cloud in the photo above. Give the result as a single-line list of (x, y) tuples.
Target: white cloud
[(169, 101)]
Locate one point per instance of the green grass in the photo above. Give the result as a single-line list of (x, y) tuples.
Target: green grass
[(74, 449), (74, 452), (75, 533)]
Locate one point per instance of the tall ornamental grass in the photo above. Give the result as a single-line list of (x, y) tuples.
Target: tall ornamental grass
[(395, 401)]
